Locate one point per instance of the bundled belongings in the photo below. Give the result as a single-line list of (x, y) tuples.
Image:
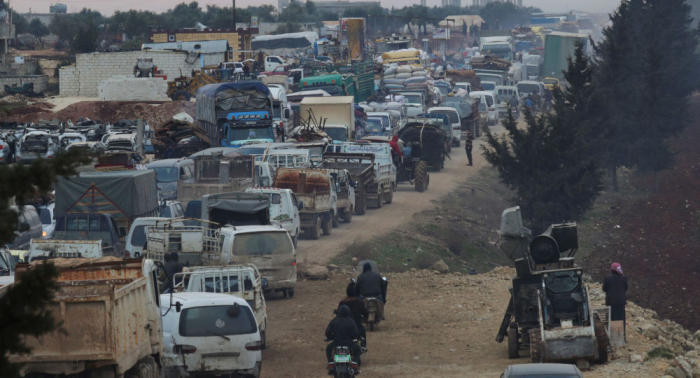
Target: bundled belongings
[(428, 133)]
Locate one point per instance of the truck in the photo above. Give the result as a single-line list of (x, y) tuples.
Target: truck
[(499, 46), (123, 195), (217, 173), (338, 112), (111, 325), (409, 57), (184, 88), (558, 47), (314, 188), (371, 167), (272, 61), (345, 189), (235, 114), (236, 209)]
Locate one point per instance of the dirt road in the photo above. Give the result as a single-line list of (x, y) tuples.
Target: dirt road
[(406, 203)]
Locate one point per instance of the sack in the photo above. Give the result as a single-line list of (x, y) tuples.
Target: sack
[(417, 79), (388, 77), (393, 106), (404, 75), (404, 69), (390, 71), (394, 81), (419, 73), (394, 86)]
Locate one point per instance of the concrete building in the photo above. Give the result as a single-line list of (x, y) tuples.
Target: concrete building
[(238, 40), (341, 6), (454, 3), (16, 71), (484, 2)]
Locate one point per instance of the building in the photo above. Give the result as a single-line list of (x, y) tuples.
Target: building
[(455, 22), (341, 6), (239, 40), (211, 52), (484, 2), (452, 3)]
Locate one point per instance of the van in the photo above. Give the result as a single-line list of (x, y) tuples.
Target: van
[(284, 209), (136, 238), (456, 121), (487, 104), (467, 86), (29, 227), (243, 281), (526, 88), (169, 172), (415, 103), (210, 334), (503, 95), (267, 247)]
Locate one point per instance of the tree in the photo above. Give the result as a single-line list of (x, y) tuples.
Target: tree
[(86, 39), (37, 28), (549, 164), (23, 308), (288, 27), (20, 22)]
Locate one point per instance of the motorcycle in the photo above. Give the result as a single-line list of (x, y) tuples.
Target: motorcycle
[(374, 305), (343, 365)]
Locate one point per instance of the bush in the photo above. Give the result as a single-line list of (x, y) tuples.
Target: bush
[(361, 250), (425, 260)]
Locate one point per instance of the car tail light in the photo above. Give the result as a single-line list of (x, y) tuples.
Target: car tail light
[(255, 345), (43, 234), (294, 262), (184, 349), (2, 146)]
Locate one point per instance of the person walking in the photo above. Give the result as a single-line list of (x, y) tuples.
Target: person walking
[(468, 145), (615, 288)]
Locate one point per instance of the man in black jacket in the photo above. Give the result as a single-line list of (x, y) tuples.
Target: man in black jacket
[(358, 311), (615, 288), (343, 331), (371, 285)]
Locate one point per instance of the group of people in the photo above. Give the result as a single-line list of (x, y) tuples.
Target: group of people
[(347, 326)]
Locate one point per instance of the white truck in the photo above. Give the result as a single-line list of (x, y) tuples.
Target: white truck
[(500, 46), (338, 113), (315, 189), (243, 281), (272, 61), (284, 209), (111, 322)]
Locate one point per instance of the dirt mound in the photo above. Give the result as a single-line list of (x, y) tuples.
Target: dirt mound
[(107, 111)]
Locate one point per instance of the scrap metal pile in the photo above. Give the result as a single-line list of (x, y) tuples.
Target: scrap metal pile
[(310, 129), (176, 138)]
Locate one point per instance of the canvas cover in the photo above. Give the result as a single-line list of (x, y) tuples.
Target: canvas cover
[(284, 41), (246, 92), (248, 203), (122, 194)]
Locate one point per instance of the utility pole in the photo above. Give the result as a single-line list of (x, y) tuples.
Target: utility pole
[(233, 15)]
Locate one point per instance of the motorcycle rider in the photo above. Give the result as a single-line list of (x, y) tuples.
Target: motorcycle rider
[(342, 331), (358, 311), (370, 284)]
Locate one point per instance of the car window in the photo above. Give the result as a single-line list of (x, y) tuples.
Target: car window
[(294, 201), (45, 215), (166, 213), (217, 320), (276, 198), (262, 244), (180, 211), (138, 237), (221, 284)]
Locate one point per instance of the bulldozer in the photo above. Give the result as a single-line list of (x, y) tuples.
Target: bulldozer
[(184, 88), (550, 309)]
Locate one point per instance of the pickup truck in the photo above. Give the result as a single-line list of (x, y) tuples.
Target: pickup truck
[(243, 281), (316, 189), (284, 209), (91, 226), (110, 322)]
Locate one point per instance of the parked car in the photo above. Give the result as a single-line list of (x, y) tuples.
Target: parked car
[(121, 142), (170, 172), (66, 139), (210, 333), (6, 149), (29, 227), (542, 371), (48, 222), (34, 145)]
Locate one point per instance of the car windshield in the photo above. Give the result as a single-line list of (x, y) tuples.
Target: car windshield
[(374, 124), (444, 90), (487, 86), (412, 98), (276, 110), (453, 116), (262, 244), (45, 215), (166, 174), (337, 133), (244, 133), (138, 238), (252, 150), (461, 86), (528, 88), (217, 320)]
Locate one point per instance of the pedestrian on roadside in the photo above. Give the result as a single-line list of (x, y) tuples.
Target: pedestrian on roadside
[(615, 288), (468, 145)]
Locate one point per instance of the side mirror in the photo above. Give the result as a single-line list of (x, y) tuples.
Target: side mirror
[(287, 115), (122, 232), (300, 206), (264, 283), (178, 306)]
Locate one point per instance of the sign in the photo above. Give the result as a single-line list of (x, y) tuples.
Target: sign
[(441, 33), (369, 148), (254, 22)]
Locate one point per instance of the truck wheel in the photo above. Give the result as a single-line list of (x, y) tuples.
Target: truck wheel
[(263, 337), (513, 344), (336, 220), (535, 345), (421, 176), (380, 197), (361, 205), (347, 216), (327, 226), (181, 96), (390, 196), (290, 292), (315, 232)]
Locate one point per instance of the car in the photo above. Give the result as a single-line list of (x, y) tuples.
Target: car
[(66, 139), (48, 222), (210, 334), (5, 149), (235, 66), (284, 209), (542, 371), (170, 172), (121, 142), (29, 227), (551, 82), (487, 103), (34, 145)]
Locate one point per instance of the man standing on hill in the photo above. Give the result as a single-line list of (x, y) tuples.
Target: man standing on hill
[(468, 146), (615, 288)]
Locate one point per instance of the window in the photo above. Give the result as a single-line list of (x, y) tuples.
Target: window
[(138, 237), (262, 244), (453, 116), (294, 201), (166, 213), (217, 320), (221, 284), (166, 174), (276, 198), (45, 215)]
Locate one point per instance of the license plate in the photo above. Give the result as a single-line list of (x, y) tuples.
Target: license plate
[(342, 358)]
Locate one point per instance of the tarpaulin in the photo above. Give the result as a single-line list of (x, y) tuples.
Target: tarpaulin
[(284, 41)]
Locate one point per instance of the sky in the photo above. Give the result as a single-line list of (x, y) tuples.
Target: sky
[(108, 7)]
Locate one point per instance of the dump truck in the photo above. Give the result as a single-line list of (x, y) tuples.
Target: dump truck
[(125, 195), (111, 325), (550, 308), (316, 190), (558, 48), (217, 174)]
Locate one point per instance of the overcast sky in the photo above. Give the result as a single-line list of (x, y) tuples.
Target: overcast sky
[(108, 7)]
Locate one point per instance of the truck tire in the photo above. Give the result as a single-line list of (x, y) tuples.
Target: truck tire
[(327, 225), (336, 220), (181, 96), (390, 196), (347, 216), (513, 344), (602, 340), (380, 197), (361, 205), (315, 232), (535, 345), (421, 176)]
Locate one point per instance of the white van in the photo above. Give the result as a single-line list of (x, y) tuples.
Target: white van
[(210, 333), (136, 238), (503, 95), (488, 104), (456, 121), (284, 209)]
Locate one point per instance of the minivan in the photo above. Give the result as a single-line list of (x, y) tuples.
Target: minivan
[(210, 334), (456, 121), (487, 103)]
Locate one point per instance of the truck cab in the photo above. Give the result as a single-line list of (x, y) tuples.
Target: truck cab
[(91, 226), (280, 111), (415, 103), (271, 62)]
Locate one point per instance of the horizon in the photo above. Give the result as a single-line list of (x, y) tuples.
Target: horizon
[(108, 8)]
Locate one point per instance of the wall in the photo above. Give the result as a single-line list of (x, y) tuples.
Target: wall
[(129, 88), (83, 78), (41, 82)]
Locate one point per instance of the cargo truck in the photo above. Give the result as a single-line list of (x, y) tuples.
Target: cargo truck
[(338, 112), (217, 173), (558, 47), (109, 311)]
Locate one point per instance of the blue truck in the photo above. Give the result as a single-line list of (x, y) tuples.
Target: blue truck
[(236, 114)]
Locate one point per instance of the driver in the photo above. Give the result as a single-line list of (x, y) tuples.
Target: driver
[(342, 331), (357, 310)]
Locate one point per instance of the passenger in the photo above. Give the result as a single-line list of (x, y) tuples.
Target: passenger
[(358, 311), (342, 331), (407, 149)]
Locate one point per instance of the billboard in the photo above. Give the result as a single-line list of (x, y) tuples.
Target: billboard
[(441, 33), (354, 29), (254, 22)]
